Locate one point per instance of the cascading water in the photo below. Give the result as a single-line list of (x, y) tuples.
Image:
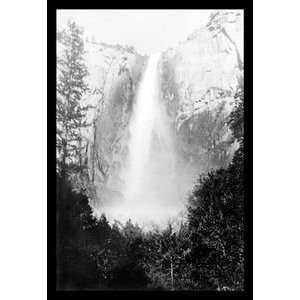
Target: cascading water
[(150, 189), (141, 130)]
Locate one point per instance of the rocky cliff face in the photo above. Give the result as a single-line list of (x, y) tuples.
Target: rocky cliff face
[(198, 80), (114, 74)]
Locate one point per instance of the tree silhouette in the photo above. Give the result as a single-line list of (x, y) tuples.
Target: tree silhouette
[(71, 86)]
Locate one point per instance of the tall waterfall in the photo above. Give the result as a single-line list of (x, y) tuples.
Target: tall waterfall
[(151, 192), (142, 128)]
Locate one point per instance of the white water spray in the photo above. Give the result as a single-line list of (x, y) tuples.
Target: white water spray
[(151, 192), (141, 130)]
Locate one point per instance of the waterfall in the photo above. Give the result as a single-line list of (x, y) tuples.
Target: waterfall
[(141, 129), (150, 189)]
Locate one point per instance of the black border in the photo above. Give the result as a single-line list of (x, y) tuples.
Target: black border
[(52, 6)]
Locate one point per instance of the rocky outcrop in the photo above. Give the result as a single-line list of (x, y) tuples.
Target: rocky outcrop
[(199, 80)]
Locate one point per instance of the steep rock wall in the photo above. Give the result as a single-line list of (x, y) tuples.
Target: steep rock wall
[(114, 73), (199, 80)]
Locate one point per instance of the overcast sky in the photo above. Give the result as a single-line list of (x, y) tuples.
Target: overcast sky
[(148, 31)]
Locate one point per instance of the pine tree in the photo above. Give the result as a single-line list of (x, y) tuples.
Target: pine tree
[(71, 86), (216, 218)]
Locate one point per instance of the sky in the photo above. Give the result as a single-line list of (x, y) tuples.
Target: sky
[(149, 31)]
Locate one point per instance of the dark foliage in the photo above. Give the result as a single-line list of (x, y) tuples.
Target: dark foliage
[(216, 219), (75, 268)]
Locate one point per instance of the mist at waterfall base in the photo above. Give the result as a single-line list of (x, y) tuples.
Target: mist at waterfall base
[(154, 189)]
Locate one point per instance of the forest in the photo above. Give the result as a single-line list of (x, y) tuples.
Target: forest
[(206, 252)]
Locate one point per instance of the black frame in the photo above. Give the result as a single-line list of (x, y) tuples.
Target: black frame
[(247, 6)]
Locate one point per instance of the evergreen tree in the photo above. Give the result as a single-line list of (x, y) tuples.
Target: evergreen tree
[(216, 219), (71, 86)]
